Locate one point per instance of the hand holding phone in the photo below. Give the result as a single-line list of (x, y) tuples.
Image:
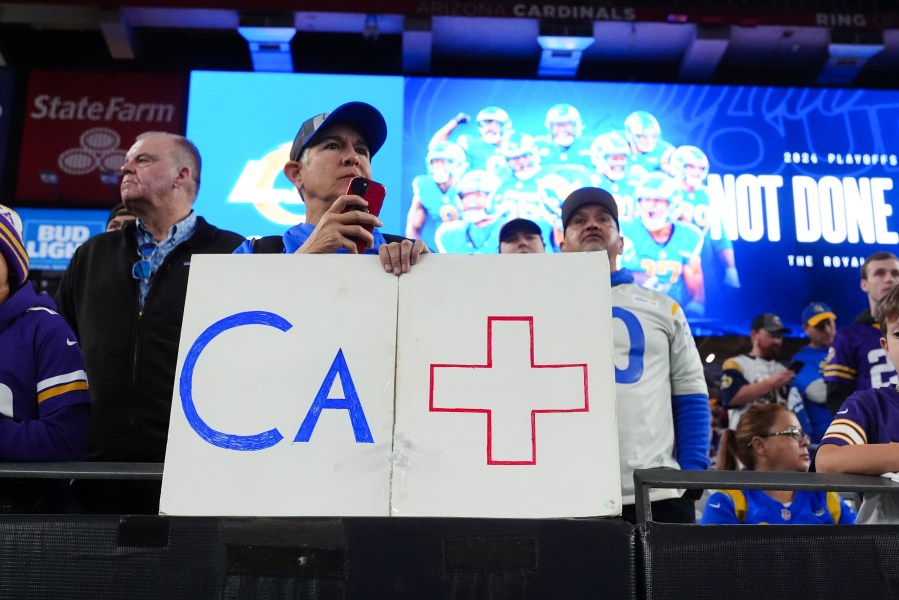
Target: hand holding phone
[(796, 366), (370, 191)]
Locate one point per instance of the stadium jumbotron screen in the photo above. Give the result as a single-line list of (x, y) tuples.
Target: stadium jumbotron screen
[(733, 199)]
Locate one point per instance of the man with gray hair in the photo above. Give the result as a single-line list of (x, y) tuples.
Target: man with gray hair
[(123, 294)]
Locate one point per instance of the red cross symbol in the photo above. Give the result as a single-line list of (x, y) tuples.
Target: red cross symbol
[(511, 388)]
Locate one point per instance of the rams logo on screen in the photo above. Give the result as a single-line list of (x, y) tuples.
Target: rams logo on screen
[(256, 186)]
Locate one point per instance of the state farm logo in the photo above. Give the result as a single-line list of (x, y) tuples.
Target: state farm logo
[(98, 149), (256, 186)]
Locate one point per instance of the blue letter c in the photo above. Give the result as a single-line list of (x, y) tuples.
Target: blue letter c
[(260, 441)]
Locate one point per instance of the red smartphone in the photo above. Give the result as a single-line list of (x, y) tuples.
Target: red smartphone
[(370, 191)]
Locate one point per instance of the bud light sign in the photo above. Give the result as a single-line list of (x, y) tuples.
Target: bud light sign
[(51, 236)]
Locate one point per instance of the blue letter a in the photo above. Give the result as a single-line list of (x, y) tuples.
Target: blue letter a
[(350, 403)]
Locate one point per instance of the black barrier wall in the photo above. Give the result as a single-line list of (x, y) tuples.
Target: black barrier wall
[(171, 558), (759, 561)]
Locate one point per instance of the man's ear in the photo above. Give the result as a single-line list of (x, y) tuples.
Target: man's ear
[(863, 283), (293, 170), (182, 177)]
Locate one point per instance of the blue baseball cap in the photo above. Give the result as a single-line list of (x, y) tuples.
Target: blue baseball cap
[(364, 117), (816, 312)]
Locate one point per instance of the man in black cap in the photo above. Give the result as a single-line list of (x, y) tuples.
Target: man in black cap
[(757, 376), (521, 236), (663, 404), (118, 216), (328, 151)]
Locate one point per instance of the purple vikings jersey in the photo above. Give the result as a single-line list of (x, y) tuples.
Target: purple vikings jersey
[(866, 417), (856, 356), (869, 417), (41, 373)]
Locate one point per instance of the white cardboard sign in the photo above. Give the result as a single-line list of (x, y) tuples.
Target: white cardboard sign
[(508, 410), (284, 401)]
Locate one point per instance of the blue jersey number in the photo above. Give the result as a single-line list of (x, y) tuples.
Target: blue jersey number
[(634, 369)]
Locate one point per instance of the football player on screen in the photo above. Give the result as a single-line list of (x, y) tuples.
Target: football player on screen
[(610, 155), (691, 167), (662, 252), (529, 192), (478, 230), (564, 143), (484, 152), (649, 152), (434, 198)]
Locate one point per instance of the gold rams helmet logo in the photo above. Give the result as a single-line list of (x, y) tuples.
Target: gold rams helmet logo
[(256, 186)]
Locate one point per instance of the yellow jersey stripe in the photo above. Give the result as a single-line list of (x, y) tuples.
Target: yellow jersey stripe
[(58, 391)]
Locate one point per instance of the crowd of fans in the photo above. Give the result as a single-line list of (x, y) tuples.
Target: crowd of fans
[(90, 376)]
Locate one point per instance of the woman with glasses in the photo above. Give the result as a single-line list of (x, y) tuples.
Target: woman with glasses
[(769, 438)]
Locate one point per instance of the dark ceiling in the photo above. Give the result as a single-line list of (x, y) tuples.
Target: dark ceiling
[(752, 43)]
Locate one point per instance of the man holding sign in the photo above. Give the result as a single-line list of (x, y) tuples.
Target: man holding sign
[(663, 403), (328, 152)]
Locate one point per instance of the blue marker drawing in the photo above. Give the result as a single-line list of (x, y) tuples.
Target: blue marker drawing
[(349, 403), (259, 441)]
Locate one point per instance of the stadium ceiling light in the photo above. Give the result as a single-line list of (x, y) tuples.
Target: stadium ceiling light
[(847, 56), (561, 54), (268, 38)]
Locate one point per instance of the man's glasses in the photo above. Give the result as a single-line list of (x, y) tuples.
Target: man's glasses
[(794, 432), (143, 268)]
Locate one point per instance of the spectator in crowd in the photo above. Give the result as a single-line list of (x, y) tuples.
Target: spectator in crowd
[(808, 389), (769, 438), (44, 402), (757, 376), (123, 294), (663, 407), (118, 216), (327, 152), (863, 436), (521, 236), (856, 360)]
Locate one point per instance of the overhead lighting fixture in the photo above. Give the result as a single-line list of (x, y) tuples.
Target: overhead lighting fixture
[(848, 55), (371, 29), (417, 44), (268, 38), (562, 54)]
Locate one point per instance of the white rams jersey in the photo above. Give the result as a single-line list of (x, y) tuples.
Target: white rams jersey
[(655, 358)]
